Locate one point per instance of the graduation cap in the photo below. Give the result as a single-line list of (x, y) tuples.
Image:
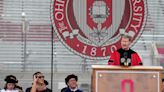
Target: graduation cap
[(11, 79)]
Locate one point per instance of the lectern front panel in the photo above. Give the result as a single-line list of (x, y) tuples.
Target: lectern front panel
[(127, 81)]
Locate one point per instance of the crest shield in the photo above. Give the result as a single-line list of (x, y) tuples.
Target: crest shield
[(91, 28)]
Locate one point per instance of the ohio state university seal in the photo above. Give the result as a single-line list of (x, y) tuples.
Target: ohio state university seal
[(93, 28)]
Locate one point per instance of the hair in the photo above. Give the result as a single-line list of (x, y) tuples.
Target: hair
[(36, 73), (19, 88), (127, 36), (46, 82)]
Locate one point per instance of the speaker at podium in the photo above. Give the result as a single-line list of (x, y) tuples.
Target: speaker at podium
[(106, 78)]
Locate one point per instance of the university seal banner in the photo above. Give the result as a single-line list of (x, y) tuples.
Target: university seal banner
[(93, 28)]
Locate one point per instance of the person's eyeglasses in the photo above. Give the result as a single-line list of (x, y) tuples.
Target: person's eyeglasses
[(39, 77)]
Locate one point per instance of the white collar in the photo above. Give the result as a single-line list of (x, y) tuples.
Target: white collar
[(73, 89)]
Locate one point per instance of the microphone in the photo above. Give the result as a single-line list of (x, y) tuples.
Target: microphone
[(125, 55), (125, 60)]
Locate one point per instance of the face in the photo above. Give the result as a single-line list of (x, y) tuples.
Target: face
[(40, 81), (40, 78), (125, 43), (72, 83), (10, 86)]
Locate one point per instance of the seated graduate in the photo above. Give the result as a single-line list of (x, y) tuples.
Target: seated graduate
[(39, 84), (71, 82), (125, 56), (11, 83)]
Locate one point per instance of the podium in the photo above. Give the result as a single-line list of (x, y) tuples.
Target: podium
[(106, 78)]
